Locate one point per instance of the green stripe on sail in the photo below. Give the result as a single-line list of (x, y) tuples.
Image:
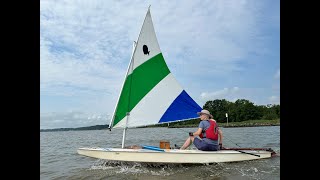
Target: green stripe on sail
[(141, 81)]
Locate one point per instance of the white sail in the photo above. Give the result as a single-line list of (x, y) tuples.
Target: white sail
[(151, 94)]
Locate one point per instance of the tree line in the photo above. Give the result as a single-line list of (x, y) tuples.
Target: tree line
[(241, 110)]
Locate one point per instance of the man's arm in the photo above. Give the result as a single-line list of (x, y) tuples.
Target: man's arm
[(220, 136), (198, 132)]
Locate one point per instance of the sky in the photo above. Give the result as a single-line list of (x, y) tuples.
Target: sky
[(216, 49)]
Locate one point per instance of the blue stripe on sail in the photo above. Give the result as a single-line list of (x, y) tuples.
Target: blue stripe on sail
[(183, 107)]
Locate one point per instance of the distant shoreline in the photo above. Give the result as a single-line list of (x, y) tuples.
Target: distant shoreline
[(96, 127), (230, 126), (248, 123), (253, 123)]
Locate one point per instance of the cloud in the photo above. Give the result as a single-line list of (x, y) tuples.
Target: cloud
[(254, 95), (219, 33), (88, 44), (71, 119), (274, 100), (220, 94)]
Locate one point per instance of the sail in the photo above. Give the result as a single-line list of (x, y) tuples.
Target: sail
[(150, 93)]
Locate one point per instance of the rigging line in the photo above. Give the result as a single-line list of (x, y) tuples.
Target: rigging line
[(234, 142), (231, 141)]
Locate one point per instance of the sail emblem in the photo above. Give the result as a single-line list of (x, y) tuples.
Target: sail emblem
[(145, 49)]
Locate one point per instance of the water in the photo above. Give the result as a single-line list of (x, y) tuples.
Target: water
[(59, 158)]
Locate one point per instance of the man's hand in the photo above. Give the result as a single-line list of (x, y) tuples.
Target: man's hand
[(190, 133)]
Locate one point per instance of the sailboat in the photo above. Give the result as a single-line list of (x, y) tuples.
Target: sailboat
[(151, 95)]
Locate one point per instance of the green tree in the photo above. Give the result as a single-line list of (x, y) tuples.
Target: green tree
[(217, 108), (245, 110), (241, 110)]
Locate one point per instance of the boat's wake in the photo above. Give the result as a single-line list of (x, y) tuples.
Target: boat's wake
[(135, 168), (108, 163), (252, 169)]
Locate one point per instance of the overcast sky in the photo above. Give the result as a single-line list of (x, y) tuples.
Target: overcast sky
[(216, 49)]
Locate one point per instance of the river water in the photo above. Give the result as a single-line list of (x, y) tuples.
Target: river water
[(59, 158)]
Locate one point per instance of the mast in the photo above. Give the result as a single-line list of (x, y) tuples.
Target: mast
[(131, 59), (131, 64), (128, 113)]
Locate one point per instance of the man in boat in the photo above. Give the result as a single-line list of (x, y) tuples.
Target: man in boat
[(208, 137)]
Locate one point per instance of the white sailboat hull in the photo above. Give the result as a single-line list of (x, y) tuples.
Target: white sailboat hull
[(173, 155)]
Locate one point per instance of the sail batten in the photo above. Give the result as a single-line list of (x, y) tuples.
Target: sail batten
[(150, 93)]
